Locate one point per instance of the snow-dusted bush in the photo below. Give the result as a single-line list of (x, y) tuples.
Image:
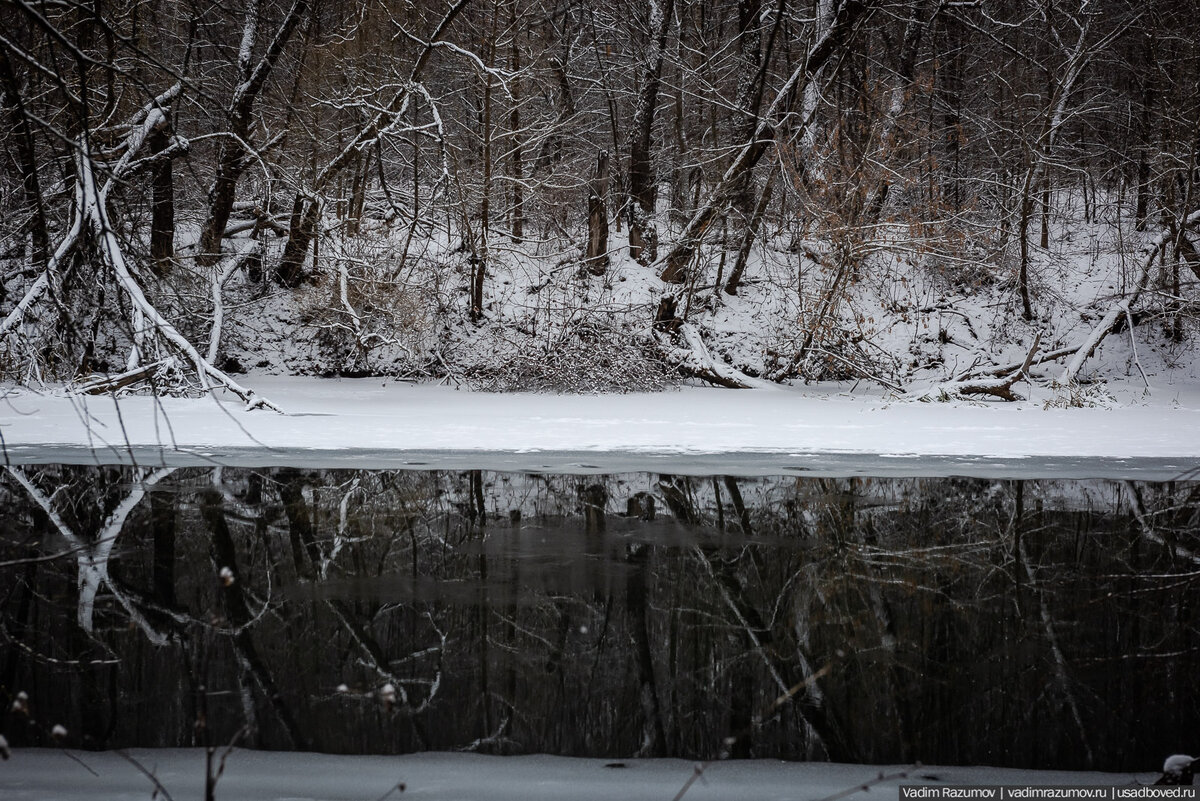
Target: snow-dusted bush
[(592, 355)]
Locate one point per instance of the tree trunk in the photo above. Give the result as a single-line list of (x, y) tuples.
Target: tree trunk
[(233, 157), (597, 248), (358, 195), (517, 157), (749, 37), (679, 258), (1149, 95), (305, 208), (1045, 240), (914, 31), (230, 166), (1026, 213), (643, 238), (162, 222), (302, 229), (480, 263), (747, 239)]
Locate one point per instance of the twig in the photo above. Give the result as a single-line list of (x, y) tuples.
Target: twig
[(776, 705), (158, 786), (399, 788), (865, 786), (211, 778), (85, 765), (1133, 347), (696, 774)]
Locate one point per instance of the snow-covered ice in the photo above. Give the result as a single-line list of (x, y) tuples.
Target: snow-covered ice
[(697, 430), (42, 775)]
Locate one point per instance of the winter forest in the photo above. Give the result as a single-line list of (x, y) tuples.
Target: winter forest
[(721, 380), (567, 196)]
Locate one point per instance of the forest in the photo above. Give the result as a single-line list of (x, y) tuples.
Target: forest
[(574, 196)]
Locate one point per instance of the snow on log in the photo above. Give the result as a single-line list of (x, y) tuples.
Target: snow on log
[(695, 361), (1009, 369), (102, 384)]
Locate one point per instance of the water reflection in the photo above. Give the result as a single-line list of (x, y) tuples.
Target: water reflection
[(1031, 623)]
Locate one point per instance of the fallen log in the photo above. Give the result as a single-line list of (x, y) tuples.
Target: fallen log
[(1000, 387), (694, 360), (100, 385)]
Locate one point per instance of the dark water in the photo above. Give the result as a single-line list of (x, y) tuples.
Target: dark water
[(1039, 623)]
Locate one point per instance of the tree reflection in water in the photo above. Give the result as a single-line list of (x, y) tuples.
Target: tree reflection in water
[(1026, 623)]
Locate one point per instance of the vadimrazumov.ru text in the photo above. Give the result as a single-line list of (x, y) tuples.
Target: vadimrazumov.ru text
[(1017, 792)]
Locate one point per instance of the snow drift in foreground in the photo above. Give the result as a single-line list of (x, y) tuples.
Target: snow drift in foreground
[(41, 775), (371, 423)]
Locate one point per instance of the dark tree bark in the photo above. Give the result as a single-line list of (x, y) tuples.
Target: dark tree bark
[(517, 156), (1026, 215), (750, 92), (597, 248), (162, 215), (479, 264), (26, 158)]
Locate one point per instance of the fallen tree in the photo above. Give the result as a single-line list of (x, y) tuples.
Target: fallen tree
[(998, 387), (694, 361), (150, 331), (1121, 309)]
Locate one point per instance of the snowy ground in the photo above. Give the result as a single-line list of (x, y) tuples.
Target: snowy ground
[(697, 430), (265, 776)]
